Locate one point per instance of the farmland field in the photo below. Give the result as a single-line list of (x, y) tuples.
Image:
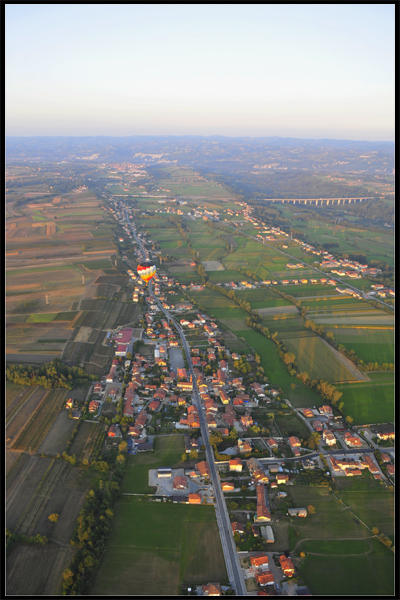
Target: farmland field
[(58, 435), (25, 406), (160, 536), (330, 521), (368, 402), (277, 373), (44, 575), (371, 345), (39, 424), (319, 359), (42, 566), (88, 439), (370, 574), (374, 507)]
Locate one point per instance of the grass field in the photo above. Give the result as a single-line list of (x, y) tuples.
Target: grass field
[(368, 402), (371, 574), (330, 521), (330, 547), (276, 371), (41, 318), (317, 359), (374, 507), (371, 345), (155, 547), (167, 454), (290, 425)]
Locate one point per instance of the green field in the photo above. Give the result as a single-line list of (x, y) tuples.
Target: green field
[(317, 359), (371, 345), (368, 402), (156, 546), (291, 425), (41, 318), (66, 316), (335, 547), (330, 521), (93, 265), (374, 507), (277, 372), (371, 574), (167, 454)]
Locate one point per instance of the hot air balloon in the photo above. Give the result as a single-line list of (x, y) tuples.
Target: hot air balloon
[(146, 270)]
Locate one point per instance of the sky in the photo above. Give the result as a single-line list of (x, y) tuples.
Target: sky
[(290, 70)]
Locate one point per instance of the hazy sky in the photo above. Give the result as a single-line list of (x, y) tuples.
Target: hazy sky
[(292, 70)]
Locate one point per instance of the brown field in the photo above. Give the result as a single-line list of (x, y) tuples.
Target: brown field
[(24, 412), (33, 508), (83, 444), (14, 394), (83, 334), (21, 486), (30, 359), (41, 420), (32, 338), (37, 570), (11, 458), (58, 435)]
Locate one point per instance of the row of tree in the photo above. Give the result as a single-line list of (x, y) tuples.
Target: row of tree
[(91, 532), (54, 374)]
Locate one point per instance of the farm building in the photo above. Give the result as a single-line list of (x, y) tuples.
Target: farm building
[(269, 534), (164, 472)]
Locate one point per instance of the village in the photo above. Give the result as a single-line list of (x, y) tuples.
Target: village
[(148, 392)]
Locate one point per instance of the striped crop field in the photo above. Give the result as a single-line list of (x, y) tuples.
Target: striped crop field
[(34, 433), (42, 494), (318, 359)]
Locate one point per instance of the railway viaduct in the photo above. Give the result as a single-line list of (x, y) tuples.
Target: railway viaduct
[(318, 201)]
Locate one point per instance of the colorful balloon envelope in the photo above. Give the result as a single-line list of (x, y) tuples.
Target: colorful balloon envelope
[(146, 270)]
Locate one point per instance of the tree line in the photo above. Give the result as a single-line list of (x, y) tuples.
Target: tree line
[(54, 374), (91, 533)]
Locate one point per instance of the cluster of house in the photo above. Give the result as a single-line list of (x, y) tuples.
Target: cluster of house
[(351, 467), (382, 291)]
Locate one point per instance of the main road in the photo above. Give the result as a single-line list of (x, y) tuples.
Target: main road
[(233, 567)]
